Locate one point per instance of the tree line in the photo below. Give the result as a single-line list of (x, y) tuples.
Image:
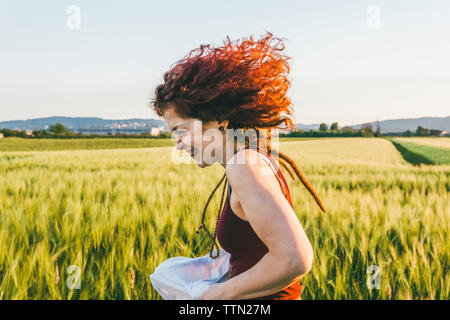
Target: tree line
[(364, 131), (59, 131)]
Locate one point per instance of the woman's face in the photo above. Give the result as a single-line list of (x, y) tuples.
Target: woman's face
[(189, 135)]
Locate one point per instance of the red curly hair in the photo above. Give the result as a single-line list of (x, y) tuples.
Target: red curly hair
[(244, 82)]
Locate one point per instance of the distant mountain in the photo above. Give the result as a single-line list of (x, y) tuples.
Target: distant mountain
[(81, 123), (400, 125), (395, 125), (307, 127)]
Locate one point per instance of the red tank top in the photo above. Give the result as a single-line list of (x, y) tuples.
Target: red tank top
[(237, 237)]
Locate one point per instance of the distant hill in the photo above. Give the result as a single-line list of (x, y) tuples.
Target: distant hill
[(400, 125), (307, 127), (81, 123), (395, 125)]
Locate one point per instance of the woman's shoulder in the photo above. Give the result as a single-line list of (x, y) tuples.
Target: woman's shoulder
[(246, 160), (249, 167)]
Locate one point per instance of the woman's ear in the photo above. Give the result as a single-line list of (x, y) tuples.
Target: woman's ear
[(223, 125)]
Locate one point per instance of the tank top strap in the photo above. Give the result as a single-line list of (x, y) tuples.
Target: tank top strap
[(271, 164), (278, 174)]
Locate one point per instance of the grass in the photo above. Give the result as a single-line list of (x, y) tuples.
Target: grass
[(112, 213), (416, 153), (20, 144), (438, 142)]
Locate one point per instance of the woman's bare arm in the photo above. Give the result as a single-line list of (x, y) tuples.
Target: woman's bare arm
[(290, 253)]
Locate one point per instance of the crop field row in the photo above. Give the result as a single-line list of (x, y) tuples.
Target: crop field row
[(418, 150)]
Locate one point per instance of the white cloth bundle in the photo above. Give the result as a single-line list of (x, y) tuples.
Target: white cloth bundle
[(182, 278)]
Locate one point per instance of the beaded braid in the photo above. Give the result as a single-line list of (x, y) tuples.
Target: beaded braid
[(284, 160), (213, 237)]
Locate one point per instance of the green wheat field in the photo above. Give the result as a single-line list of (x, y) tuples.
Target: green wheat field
[(108, 217)]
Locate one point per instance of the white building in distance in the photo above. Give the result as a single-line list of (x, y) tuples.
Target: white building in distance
[(155, 132)]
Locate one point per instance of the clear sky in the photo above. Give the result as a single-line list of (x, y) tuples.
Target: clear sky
[(344, 68)]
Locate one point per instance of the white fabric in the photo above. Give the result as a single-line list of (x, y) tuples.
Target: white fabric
[(182, 278)]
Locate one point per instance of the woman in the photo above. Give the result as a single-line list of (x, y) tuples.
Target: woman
[(242, 86)]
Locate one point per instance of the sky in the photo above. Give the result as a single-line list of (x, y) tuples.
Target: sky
[(351, 61)]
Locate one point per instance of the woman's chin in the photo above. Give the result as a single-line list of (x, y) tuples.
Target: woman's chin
[(200, 163)]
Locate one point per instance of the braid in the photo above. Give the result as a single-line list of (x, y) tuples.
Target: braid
[(289, 170), (284, 161), (213, 237), (302, 178)]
